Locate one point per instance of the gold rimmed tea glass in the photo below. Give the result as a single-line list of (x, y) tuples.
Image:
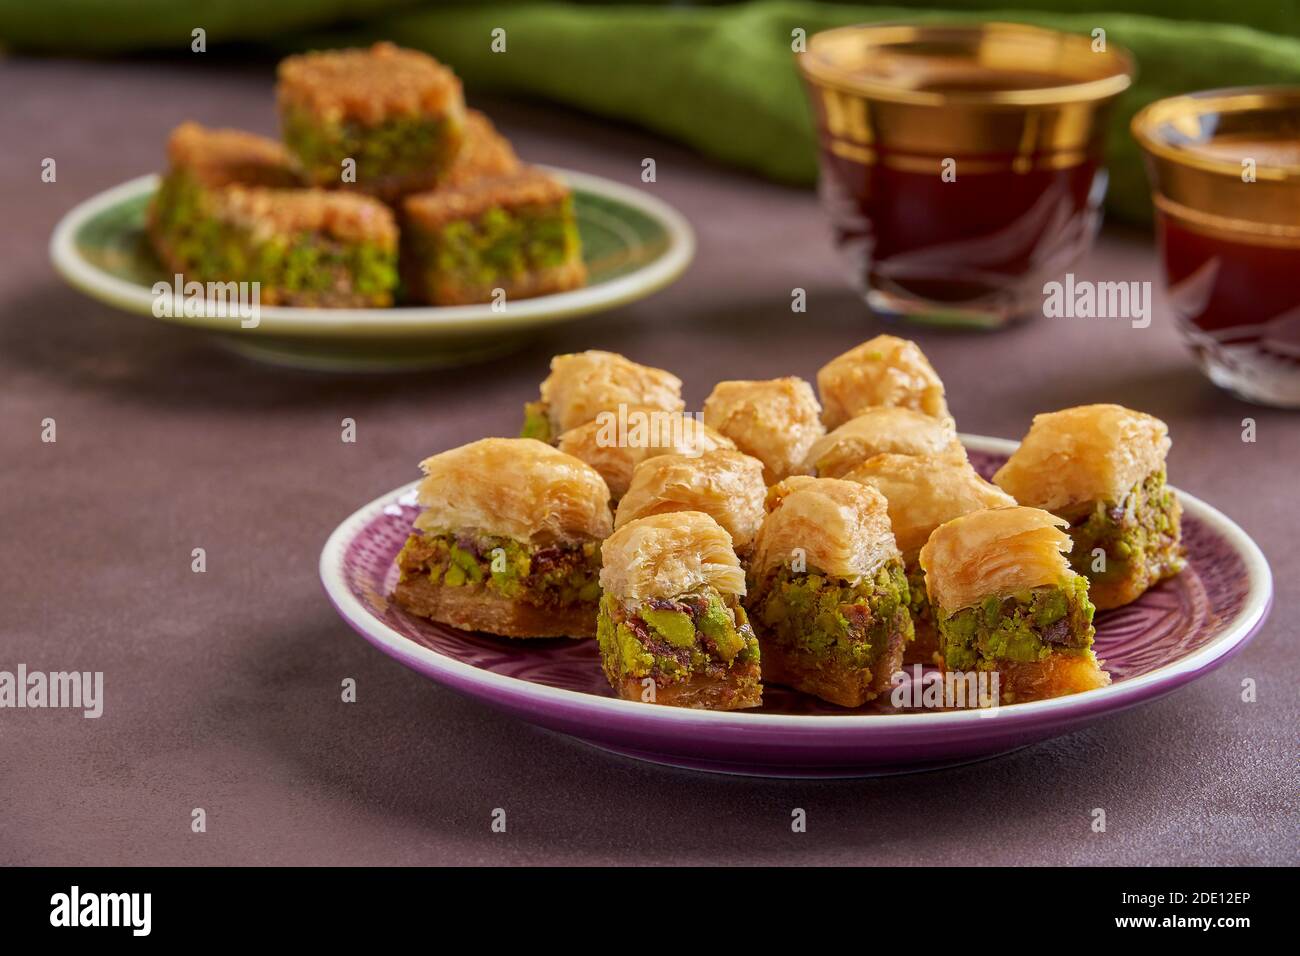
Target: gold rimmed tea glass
[(1224, 167), (961, 165)]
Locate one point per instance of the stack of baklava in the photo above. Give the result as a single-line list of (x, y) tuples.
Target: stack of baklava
[(383, 173), (776, 538)]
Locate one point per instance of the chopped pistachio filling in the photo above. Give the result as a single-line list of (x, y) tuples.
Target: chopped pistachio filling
[(1027, 626), (840, 625), (537, 424), (918, 600), (1140, 535), (396, 147), (674, 640), (500, 246), (551, 576), (208, 249)]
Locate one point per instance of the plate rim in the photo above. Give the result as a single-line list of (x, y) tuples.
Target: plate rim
[(1114, 697), (400, 321)]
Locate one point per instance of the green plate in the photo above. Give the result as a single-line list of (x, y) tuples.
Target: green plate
[(633, 244)]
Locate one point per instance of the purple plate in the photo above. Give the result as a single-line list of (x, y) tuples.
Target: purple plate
[(1173, 634)]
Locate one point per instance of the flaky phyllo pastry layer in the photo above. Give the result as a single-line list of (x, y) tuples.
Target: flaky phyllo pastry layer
[(616, 442), (664, 555), (1005, 600), (882, 371), (882, 431), (776, 421), (829, 594), (1102, 467), (924, 491), (993, 553), (671, 629), (515, 487), (1077, 456), (726, 485), (838, 527), (584, 384), (508, 541)]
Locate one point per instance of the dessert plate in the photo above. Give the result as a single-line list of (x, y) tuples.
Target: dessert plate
[(633, 244), (1173, 634)]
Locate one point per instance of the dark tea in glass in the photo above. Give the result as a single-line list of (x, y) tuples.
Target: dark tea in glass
[(961, 166), (1225, 174)]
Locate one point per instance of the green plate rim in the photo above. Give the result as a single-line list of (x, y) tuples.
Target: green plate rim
[(402, 321)]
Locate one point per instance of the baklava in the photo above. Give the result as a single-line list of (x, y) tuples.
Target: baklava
[(229, 210), (584, 384), (491, 239), (617, 442), (726, 485), (484, 154), (828, 592), (882, 431), (1102, 469), (924, 491), (508, 541), (1006, 601), (885, 370), (397, 114), (672, 630), (775, 421)]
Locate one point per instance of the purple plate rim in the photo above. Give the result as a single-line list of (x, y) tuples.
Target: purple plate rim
[(515, 693)]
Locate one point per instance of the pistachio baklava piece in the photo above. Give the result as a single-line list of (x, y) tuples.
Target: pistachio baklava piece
[(582, 385), (227, 211), (776, 421), (484, 154), (885, 370), (616, 442), (884, 430), (726, 485), (923, 492), (671, 629), (495, 238), (1006, 601), (828, 593), (1102, 469), (508, 541), (398, 116)]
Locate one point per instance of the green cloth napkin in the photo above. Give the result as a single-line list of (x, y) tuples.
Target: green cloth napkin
[(720, 78), (723, 79)]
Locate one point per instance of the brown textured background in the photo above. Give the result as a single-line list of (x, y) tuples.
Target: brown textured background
[(222, 689)]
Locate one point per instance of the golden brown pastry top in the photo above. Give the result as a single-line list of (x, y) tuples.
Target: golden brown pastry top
[(518, 488), (1077, 456), (881, 431), (776, 421), (472, 196), (345, 216), (839, 528), (223, 157), (615, 450), (663, 556), (882, 371), (994, 553), (368, 84), (924, 491), (584, 384), (726, 485), (484, 152)]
